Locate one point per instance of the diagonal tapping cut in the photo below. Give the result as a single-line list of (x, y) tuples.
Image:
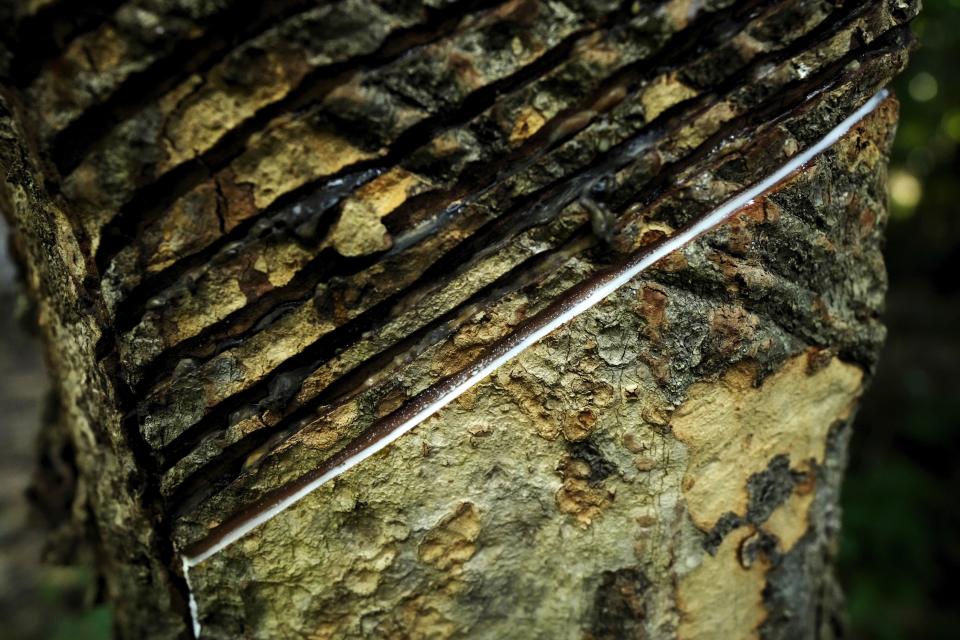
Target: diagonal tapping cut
[(131, 308), (681, 48), (793, 95), (566, 307), (370, 373), (150, 200), (210, 332), (223, 31)]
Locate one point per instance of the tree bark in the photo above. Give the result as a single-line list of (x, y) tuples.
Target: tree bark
[(258, 239)]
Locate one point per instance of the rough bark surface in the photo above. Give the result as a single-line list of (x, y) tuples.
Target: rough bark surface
[(252, 233)]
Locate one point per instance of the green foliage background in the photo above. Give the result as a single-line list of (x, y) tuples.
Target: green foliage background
[(901, 503)]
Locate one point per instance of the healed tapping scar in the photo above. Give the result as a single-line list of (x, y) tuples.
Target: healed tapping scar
[(570, 304)]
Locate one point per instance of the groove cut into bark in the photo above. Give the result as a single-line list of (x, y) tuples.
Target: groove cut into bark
[(571, 303), (259, 236)]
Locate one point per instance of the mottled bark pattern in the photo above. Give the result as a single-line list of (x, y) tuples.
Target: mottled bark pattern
[(252, 232)]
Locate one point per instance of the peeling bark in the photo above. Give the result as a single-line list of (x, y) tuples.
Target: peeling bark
[(254, 234)]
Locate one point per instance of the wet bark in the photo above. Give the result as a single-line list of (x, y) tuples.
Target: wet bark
[(251, 235)]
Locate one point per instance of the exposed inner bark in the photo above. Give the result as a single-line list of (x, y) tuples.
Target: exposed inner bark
[(253, 232)]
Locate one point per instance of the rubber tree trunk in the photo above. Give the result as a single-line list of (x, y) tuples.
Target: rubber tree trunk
[(258, 239)]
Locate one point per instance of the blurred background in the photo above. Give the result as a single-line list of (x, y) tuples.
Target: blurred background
[(900, 550), (900, 553)]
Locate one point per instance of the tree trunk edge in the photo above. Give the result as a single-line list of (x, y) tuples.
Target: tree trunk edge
[(111, 514)]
